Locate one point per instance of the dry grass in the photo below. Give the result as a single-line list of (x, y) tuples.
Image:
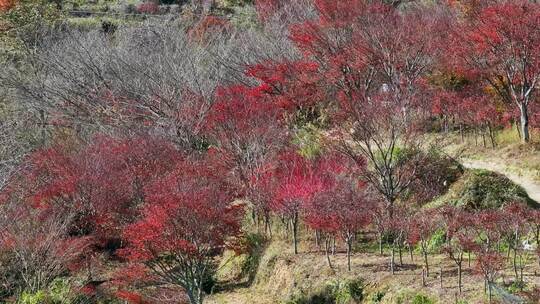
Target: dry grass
[(510, 153), (282, 274)]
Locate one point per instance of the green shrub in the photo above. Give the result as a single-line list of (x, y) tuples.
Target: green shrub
[(344, 292), (209, 280), (255, 244), (435, 171), (335, 292), (437, 240), (412, 297), (376, 297), (355, 288), (58, 292), (32, 298), (230, 3), (516, 287), (319, 297), (481, 189), (422, 299), (308, 140)]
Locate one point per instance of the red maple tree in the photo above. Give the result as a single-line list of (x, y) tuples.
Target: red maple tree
[(423, 227), (296, 182), (188, 219), (498, 44), (341, 208), (102, 182), (459, 236), (248, 131)]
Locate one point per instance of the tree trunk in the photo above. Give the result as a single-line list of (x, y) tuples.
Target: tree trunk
[(295, 231), (426, 263), (268, 224), (521, 272), (349, 250), (43, 130), (459, 277), (492, 136), (400, 254), (514, 264), (524, 119), (380, 244), (461, 133), (537, 235), (483, 138), (490, 297), (195, 296), (254, 217), (392, 260), (411, 253), (327, 251)]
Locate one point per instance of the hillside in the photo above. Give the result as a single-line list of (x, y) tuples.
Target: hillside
[(283, 277), (269, 151)]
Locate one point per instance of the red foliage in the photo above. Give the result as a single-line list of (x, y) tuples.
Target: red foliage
[(241, 116), (498, 44), (130, 297), (340, 207), (103, 181), (38, 244), (290, 84), (339, 13), (490, 229), (248, 130), (299, 181), (189, 217), (294, 182), (424, 224), (188, 212), (148, 8), (5, 5)]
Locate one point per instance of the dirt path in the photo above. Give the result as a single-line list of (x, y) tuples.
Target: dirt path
[(532, 187)]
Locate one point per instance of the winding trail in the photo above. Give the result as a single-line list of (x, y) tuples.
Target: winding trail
[(531, 186)]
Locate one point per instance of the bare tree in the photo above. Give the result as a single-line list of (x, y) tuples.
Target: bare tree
[(150, 77), (36, 246)]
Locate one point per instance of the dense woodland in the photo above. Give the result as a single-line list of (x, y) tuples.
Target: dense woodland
[(136, 149)]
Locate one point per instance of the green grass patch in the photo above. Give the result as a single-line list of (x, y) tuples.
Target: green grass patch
[(482, 189), (334, 292)]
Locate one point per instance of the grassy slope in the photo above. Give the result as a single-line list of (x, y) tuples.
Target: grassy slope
[(481, 189), (514, 157), (281, 275)]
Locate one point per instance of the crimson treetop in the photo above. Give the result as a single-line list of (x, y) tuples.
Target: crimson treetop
[(500, 45)]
